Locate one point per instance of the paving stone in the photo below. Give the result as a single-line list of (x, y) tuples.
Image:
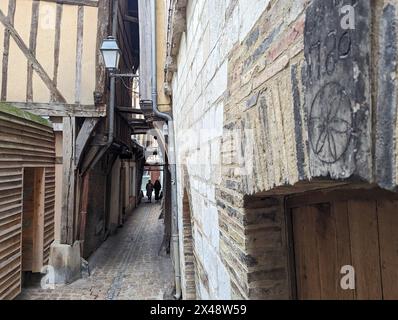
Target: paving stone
[(126, 267)]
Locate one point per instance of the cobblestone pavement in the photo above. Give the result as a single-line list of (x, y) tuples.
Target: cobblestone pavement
[(128, 266)]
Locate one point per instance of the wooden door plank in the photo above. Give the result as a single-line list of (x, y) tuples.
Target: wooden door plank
[(388, 236), (325, 238), (38, 230), (340, 213), (306, 253), (365, 249)]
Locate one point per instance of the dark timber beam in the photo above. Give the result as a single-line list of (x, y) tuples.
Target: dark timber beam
[(129, 110), (142, 122), (131, 19), (84, 136)]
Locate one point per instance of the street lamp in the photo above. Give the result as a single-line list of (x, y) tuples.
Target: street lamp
[(111, 53)]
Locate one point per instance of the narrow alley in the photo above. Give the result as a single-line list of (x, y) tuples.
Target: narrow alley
[(265, 133), (128, 266)]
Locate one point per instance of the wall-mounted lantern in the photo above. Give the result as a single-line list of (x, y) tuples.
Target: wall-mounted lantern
[(111, 53)]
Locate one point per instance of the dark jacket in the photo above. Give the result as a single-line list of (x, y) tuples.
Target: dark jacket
[(149, 188), (157, 186)]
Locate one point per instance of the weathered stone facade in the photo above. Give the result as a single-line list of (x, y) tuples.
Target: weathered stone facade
[(274, 97)]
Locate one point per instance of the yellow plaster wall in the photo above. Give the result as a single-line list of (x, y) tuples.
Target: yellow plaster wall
[(163, 100), (67, 62), (17, 67), (45, 49), (17, 62), (89, 54)]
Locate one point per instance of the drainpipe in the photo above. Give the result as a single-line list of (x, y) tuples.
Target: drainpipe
[(171, 155), (112, 96)]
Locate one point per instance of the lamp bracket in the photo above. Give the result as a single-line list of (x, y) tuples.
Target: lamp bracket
[(123, 75)]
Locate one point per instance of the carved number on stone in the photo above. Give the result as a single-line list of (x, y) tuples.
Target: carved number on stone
[(330, 123), (335, 48)]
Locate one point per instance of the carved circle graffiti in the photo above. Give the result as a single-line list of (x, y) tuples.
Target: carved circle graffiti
[(330, 123)]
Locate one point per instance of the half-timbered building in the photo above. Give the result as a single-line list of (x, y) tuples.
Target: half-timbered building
[(51, 66)]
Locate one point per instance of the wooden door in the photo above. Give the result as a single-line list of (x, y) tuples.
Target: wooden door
[(333, 230), (33, 220)]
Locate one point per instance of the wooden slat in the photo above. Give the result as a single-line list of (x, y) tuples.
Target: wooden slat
[(9, 246), (325, 238), (388, 236), (340, 214), (365, 249), (8, 157), (6, 127), (12, 202), (12, 230), (10, 219), (24, 140), (12, 289), (306, 253), (10, 276), (7, 264), (26, 124), (10, 186)]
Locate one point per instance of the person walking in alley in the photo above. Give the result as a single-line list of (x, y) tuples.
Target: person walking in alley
[(149, 190), (157, 186)]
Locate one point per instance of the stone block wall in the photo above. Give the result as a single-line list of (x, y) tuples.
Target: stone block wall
[(251, 80)]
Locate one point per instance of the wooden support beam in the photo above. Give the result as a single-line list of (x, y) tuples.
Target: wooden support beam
[(129, 110), (57, 44), (32, 47), (139, 122), (88, 158), (89, 3), (84, 136), (131, 19), (84, 207), (31, 58), (68, 183), (61, 109), (6, 50), (102, 33), (79, 53)]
